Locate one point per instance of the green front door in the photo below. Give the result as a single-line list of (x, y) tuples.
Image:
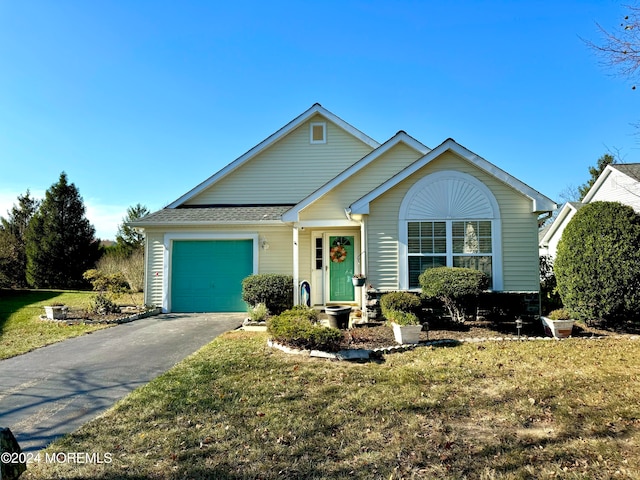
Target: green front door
[(206, 275), (341, 261)]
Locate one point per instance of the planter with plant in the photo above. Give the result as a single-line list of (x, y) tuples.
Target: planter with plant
[(406, 327), (359, 280), (399, 308), (558, 323)]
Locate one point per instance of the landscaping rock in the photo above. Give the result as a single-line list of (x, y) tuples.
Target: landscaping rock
[(359, 354), (9, 444)]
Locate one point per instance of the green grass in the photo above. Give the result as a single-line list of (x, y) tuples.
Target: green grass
[(22, 330), (239, 410)]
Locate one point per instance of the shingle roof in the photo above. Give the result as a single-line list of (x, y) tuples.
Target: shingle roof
[(630, 169), (212, 215)]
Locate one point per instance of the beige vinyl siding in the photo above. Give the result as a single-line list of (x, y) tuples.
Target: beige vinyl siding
[(618, 187), (154, 268), (289, 170), (332, 205), (519, 229)]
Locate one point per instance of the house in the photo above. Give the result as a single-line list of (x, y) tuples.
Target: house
[(618, 182), (322, 201)]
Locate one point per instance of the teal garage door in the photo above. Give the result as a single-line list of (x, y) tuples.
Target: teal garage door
[(206, 276)]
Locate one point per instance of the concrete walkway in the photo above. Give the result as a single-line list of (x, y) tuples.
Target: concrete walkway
[(55, 389)]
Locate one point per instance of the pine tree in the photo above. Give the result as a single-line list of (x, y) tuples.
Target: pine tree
[(13, 257), (128, 239), (595, 172), (60, 241)]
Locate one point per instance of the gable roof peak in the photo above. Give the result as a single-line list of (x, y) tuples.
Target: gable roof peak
[(316, 108)]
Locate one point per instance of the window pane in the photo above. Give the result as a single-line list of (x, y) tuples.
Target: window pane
[(440, 245), (476, 263), (485, 228), (414, 245), (457, 229), (458, 244), (414, 229), (426, 229), (439, 229), (417, 265), (485, 245)]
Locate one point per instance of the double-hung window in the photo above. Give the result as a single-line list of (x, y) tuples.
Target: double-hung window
[(452, 243)]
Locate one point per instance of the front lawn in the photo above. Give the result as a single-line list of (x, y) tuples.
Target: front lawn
[(494, 410), (22, 330)]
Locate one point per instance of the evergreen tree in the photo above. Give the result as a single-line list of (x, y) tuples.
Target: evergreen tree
[(595, 172), (128, 239), (598, 263), (60, 241), (13, 257)]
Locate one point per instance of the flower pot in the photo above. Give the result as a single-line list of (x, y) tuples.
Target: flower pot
[(338, 316), (358, 281), (557, 328), (406, 333), (55, 312)]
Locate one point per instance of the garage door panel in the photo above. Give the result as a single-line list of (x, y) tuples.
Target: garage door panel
[(207, 275)]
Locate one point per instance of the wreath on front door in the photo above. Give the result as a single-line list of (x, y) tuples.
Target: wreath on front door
[(338, 254)]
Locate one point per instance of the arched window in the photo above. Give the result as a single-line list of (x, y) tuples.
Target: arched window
[(451, 219)]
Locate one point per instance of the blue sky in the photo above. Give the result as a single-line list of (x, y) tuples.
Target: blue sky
[(139, 101)]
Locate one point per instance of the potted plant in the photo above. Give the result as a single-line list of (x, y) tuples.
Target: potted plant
[(359, 280), (558, 323), (406, 326), (56, 311)]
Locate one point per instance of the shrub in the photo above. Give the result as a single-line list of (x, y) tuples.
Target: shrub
[(455, 287), (598, 263), (559, 314), (549, 296), (103, 305), (274, 290), (304, 312), (402, 318), (114, 283), (258, 313), (399, 301), (296, 328)]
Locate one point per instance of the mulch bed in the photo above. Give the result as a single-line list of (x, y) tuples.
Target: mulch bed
[(76, 316), (378, 335)]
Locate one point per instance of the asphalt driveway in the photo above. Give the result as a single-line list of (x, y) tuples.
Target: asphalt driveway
[(55, 389)]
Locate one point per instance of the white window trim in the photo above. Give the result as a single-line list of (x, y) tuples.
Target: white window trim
[(405, 217), (324, 132), (168, 250)]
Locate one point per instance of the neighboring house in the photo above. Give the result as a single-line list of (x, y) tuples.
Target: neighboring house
[(618, 182), (322, 201)]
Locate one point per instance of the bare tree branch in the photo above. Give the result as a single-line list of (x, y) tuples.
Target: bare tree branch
[(620, 50)]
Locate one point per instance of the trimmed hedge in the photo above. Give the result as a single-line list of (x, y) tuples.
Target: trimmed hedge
[(275, 291), (455, 287), (297, 328), (400, 301)]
